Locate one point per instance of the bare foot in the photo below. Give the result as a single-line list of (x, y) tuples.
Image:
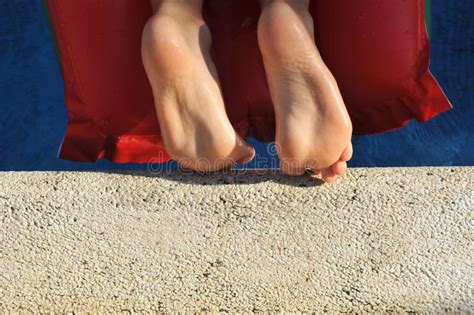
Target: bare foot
[(193, 121), (313, 127)]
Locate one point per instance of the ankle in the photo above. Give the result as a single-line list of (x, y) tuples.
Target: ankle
[(300, 7), (190, 10)]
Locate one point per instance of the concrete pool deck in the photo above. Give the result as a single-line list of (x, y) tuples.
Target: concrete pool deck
[(378, 239)]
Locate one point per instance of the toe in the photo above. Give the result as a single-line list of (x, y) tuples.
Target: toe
[(347, 153), (245, 151), (248, 153), (339, 168), (328, 175)]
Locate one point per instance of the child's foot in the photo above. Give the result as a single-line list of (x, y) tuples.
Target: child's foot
[(313, 126), (193, 121)]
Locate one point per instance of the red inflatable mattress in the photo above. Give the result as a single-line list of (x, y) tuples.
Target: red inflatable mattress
[(377, 50)]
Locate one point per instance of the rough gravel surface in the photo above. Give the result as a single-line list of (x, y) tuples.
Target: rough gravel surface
[(394, 239)]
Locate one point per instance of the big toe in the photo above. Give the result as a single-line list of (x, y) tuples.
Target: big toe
[(245, 152)]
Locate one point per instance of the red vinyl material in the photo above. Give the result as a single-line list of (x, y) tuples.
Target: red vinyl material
[(377, 50)]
